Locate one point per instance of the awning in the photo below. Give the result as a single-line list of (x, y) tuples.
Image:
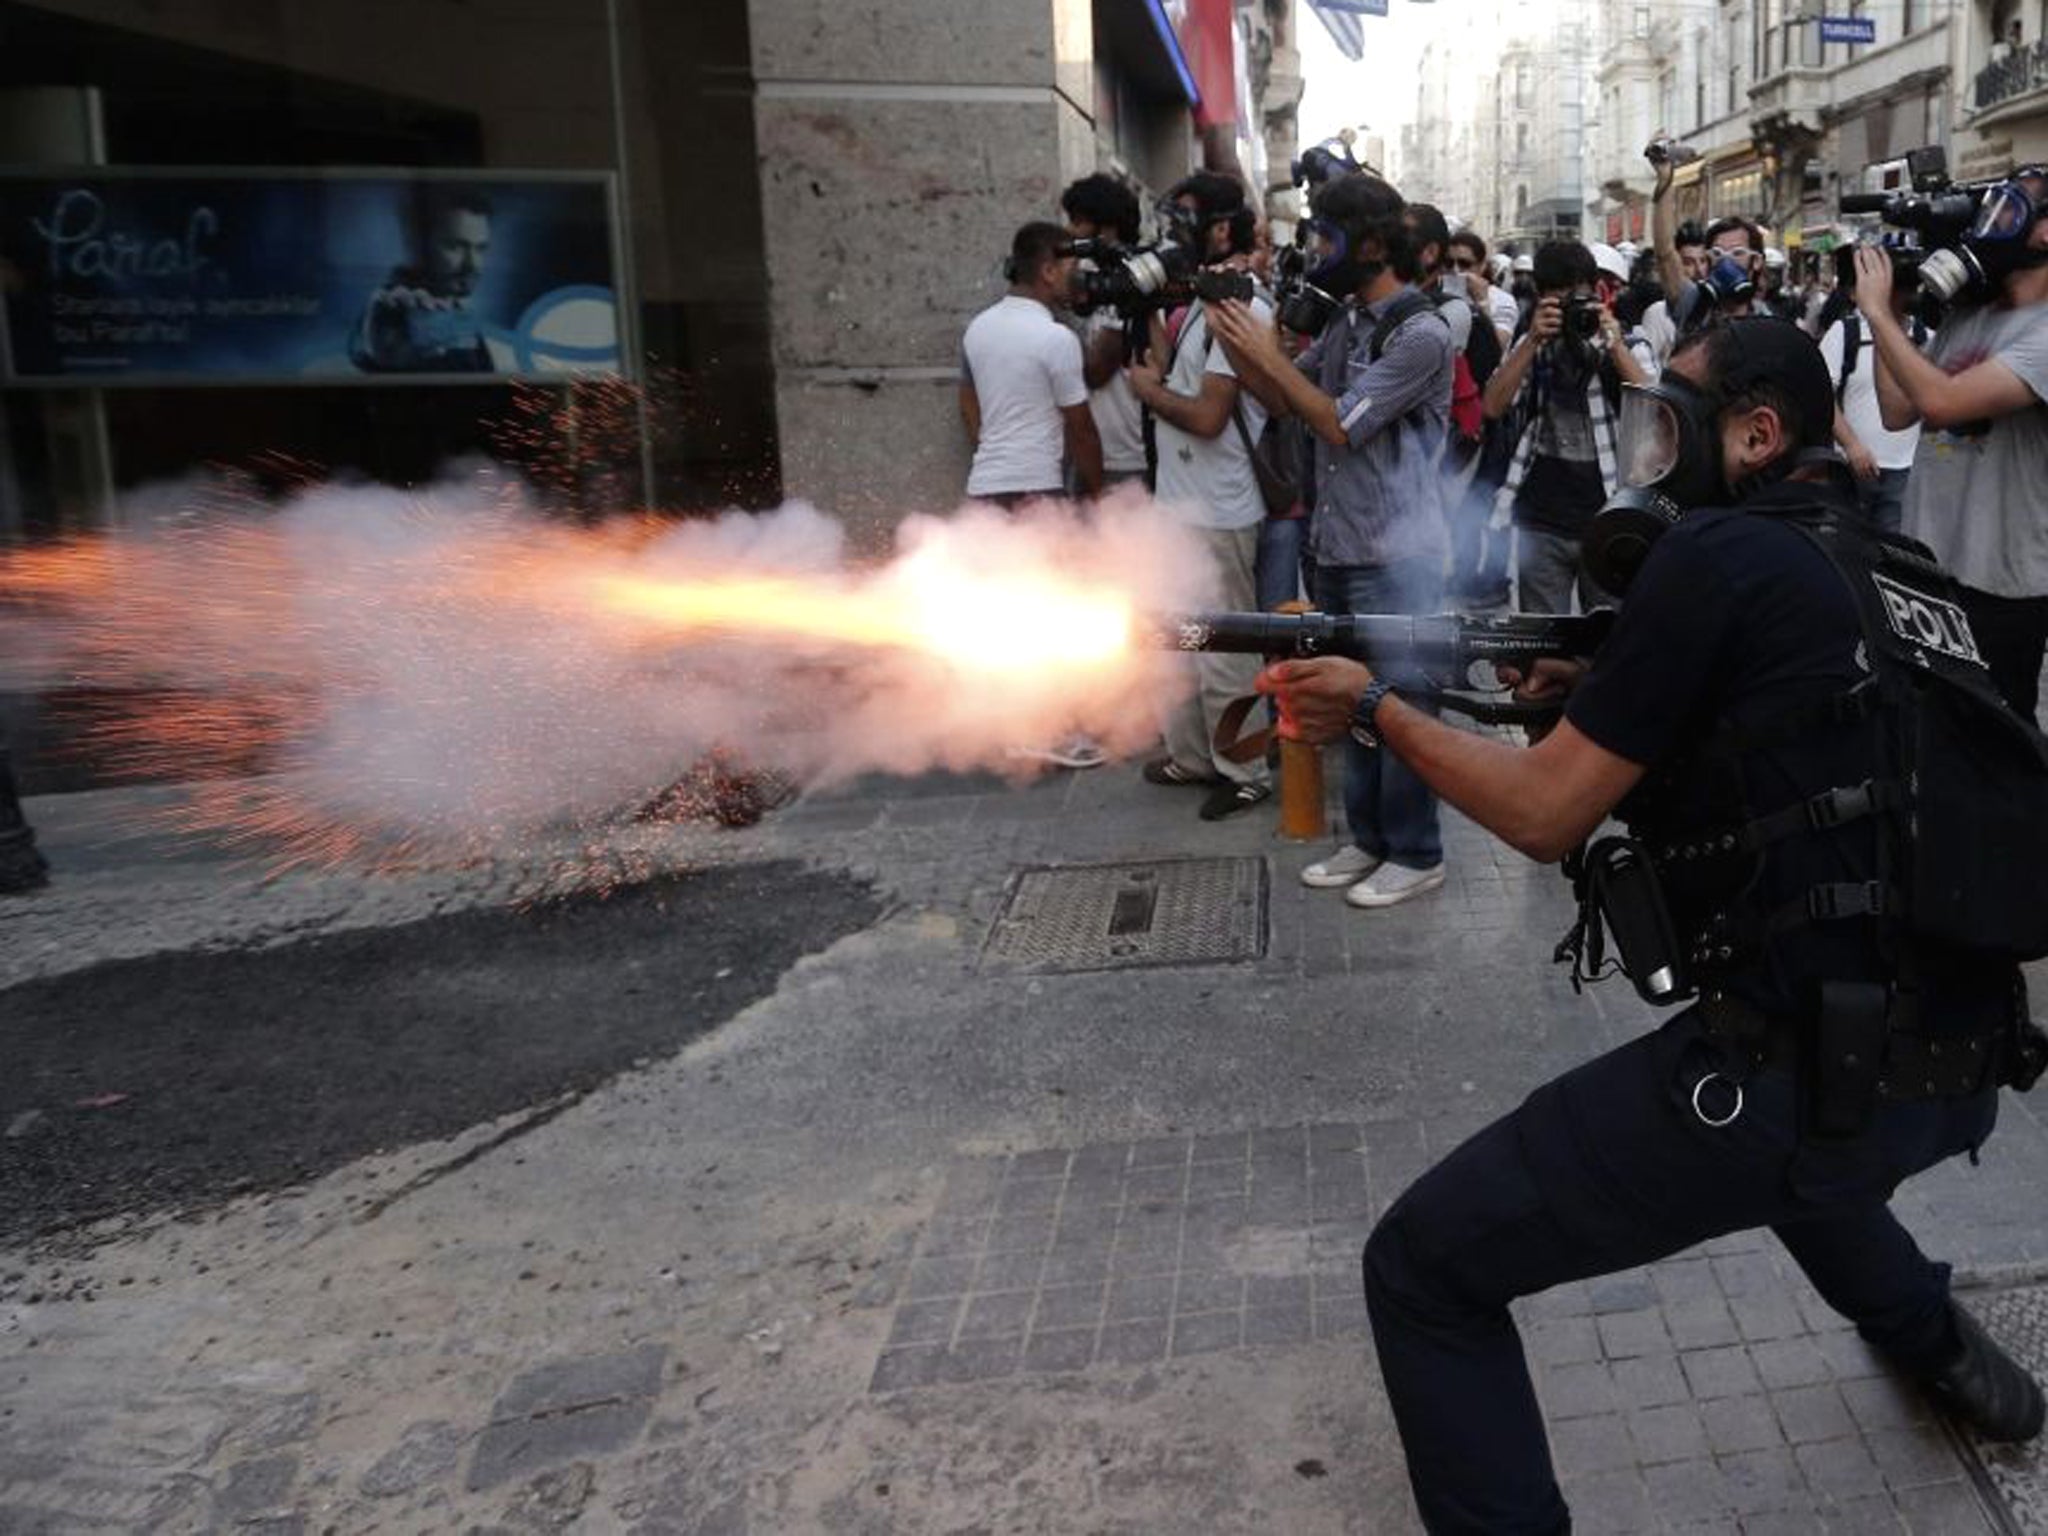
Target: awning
[(1142, 41)]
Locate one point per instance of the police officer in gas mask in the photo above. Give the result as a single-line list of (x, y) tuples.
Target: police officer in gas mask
[(1974, 494), (1745, 719)]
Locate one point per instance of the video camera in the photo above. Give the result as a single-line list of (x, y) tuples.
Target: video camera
[(1137, 280), (1326, 161), (1928, 223)]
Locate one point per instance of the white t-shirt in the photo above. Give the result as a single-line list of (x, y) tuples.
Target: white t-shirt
[(1892, 450), (1118, 419), (1209, 480), (1503, 311), (1974, 496), (1660, 331), (1025, 368)]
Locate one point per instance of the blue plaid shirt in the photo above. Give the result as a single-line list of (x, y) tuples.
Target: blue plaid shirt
[(1379, 498)]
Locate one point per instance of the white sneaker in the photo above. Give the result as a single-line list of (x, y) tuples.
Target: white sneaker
[(1391, 884), (1347, 866)]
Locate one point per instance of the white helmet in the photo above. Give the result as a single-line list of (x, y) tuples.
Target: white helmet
[(1609, 260), (1523, 263), (1773, 257)]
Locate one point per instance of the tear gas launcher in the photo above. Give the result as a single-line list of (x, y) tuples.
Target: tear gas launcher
[(1443, 650)]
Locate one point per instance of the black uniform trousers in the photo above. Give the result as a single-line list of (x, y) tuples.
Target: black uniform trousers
[(1604, 1168)]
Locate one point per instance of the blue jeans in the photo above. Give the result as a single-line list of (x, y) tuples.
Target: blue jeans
[(1390, 812), (1282, 544), (1605, 1168)]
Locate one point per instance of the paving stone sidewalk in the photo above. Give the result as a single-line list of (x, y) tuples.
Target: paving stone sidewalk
[(949, 1247)]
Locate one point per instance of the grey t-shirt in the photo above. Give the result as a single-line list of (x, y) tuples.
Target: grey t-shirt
[(1975, 496)]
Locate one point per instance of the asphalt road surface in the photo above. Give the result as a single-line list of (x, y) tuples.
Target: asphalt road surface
[(172, 1083)]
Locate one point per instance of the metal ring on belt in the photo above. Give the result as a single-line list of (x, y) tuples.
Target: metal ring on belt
[(1707, 1119)]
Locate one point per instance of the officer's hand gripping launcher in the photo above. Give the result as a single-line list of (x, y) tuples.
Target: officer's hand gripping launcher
[(1439, 646)]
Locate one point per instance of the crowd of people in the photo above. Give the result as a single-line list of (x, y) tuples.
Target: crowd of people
[(1442, 429)]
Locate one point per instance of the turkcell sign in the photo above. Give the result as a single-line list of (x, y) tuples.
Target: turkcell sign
[(1848, 29)]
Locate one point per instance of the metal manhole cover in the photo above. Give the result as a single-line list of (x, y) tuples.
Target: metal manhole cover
[(1099, 917), (2016, 1475)]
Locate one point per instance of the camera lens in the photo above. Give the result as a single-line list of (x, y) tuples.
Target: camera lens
[(1945, 273)]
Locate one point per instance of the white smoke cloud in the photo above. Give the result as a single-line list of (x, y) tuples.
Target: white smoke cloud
[(440, 666)]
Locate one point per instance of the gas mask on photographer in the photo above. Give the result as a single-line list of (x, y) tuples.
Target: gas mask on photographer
[(1730, 280), (1318, 275), (1998, 243), (1334, 266)]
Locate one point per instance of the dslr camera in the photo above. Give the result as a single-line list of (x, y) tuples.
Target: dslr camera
[(1298, 303), (1136, 280), (1582, 314)]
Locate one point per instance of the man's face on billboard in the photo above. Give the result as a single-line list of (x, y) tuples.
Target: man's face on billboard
[(457, 242)]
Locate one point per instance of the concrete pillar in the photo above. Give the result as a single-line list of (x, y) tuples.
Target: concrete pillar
[(901, 144)]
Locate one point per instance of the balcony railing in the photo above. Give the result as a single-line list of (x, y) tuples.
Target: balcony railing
[(2019, 72)]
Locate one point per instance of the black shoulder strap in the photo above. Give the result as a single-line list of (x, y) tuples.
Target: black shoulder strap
[(1852, 343), (1397, 314)]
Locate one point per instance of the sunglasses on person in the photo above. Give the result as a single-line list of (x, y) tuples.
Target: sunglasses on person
[(1464, 264)]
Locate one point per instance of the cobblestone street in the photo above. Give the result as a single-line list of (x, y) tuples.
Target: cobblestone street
[(902, 1237)]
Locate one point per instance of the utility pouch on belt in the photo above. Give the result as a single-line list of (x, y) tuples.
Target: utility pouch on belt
[(1619, 894), (1848, 1058)]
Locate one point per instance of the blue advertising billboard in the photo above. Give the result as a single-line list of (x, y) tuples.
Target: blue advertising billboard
[(131, 277)]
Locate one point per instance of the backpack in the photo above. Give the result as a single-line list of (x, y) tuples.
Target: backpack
[(1471, 367), (1964, 792)]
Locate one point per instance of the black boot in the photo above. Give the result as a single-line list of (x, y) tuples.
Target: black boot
[(1985, 1387)]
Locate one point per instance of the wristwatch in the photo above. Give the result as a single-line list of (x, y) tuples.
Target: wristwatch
[(1362, 729)]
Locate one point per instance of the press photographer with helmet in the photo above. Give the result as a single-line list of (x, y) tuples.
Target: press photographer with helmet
[(1832, 822), (1974, 496)]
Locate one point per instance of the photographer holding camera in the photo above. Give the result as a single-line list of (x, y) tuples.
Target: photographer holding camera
[(1101, 208), (1974, 495), (1204, 427), (1374, 389), (1564, 377), (1732, 261), (1737, 719), (1023, 392)]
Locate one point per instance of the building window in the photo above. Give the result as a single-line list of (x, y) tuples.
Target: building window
[(1642, 21)]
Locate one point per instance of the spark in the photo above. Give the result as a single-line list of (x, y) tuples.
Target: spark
[(367, 677)]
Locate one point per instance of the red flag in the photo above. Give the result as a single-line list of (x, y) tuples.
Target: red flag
[(1207, 36)]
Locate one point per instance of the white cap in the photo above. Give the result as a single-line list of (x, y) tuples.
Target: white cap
[(1523, 263), (1609, 260)]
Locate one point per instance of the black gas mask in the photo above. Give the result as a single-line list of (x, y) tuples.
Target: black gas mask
[(1669, 441), (1336, 266), (1999, 241)]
